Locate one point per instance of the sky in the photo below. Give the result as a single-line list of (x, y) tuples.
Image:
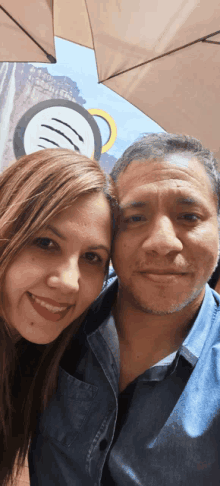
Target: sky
[(78, 63)]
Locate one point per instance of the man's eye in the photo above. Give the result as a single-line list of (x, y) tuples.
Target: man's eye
[(93, 258), (134, 219), (45, 243), (190, 217)]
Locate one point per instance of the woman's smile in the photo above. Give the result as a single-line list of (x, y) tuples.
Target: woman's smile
[(48, 311)]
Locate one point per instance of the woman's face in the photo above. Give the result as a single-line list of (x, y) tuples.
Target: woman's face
[(56, 278)]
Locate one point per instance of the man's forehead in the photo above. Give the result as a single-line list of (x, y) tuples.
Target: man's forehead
[(177, 192), (176, 168), (181, 160)]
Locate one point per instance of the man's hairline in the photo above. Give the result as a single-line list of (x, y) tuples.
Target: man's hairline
[(165, 159), (152, 158)]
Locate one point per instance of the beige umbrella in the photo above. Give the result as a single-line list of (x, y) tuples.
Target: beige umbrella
[(163, 57)]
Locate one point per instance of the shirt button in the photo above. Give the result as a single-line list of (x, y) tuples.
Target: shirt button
[(103, 444)]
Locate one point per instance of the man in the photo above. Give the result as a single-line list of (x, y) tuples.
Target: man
[(139, 388)]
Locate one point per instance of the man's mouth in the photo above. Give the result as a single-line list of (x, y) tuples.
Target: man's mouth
[(46, 310), (162, 276)]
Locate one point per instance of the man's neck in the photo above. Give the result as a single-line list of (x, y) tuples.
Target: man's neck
[(147, 338), (144, 332)]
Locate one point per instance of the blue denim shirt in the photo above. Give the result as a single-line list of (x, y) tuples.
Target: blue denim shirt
[(171, 431)]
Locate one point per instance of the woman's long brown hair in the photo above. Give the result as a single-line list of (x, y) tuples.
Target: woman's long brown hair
[(32, 191)]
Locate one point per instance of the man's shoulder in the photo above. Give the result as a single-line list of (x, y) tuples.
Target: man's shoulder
[(216, 296), (101, 308)]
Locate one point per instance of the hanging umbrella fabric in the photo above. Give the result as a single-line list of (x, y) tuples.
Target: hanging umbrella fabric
[(26, 31), (127, 33), (71, 22), (163, 57)]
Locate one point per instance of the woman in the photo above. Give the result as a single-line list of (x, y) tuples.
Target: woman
[(55, 241)]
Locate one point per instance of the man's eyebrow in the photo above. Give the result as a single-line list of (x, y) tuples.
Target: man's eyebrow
[(186, 200), (55, 231), (134, 204), (141, 204)]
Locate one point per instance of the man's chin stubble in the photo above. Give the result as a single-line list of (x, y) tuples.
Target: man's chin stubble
[(175, 307)]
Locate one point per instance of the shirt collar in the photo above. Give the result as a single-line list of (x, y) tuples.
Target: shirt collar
[(190, 349), (192, 346), (195, 340)]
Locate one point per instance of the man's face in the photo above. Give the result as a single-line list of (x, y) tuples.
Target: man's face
[(167, 244)]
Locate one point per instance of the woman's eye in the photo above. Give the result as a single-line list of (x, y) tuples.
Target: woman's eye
[(45, 243), (93, 257)]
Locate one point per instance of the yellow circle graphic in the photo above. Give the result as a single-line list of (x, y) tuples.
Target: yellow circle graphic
[(112, 127)]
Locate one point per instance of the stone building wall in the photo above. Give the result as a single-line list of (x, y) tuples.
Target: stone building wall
[(23, 88)]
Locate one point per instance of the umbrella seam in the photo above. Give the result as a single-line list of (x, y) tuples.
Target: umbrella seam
[(202, 39)]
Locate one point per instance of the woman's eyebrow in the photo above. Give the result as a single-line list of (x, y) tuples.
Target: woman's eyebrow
[(90, 248), (99, 247), (55, 231)]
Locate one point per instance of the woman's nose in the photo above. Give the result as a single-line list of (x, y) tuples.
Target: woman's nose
[(162, 238), (65, 277)]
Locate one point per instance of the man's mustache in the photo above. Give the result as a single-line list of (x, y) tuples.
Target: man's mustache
[(161, 268)]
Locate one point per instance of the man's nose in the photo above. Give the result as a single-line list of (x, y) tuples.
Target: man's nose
[(162, 238), (66, 276)]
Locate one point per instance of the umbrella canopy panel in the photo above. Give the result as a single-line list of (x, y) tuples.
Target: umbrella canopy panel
[(71, 22), (179, 91), (127, 33), (26, 31)]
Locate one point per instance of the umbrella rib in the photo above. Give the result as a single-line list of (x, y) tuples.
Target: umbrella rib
[(202, 39), (211, 42), (49, 56)]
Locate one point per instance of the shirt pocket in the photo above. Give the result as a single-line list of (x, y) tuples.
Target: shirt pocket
[(68, 410)]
